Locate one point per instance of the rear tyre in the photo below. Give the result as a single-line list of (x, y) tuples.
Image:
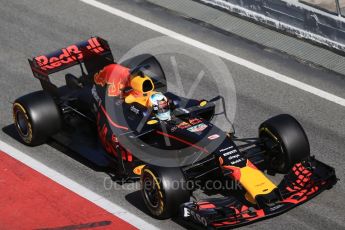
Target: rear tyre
[(163, 190), (285, 142), (36, 117)]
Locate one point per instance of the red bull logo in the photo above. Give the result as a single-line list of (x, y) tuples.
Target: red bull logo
[(67, 55), (115, 76)]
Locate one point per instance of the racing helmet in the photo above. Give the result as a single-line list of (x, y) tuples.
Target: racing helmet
[(160, 106)]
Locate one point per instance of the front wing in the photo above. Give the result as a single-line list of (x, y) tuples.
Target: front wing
[(302, 183)]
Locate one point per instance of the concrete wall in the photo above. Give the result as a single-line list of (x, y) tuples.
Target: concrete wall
[(292, 17)]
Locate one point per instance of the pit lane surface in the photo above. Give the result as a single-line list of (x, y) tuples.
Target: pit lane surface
[(58, 206), (35, 27)]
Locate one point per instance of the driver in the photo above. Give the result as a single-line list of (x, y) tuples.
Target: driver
[(160, 106)]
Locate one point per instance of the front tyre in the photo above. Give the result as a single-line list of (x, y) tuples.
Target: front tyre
[(285, 143), (163, 190), (36, 117)]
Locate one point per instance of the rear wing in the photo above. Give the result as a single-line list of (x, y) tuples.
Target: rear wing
[(95, 53)]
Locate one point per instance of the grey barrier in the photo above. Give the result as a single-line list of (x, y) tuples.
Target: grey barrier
[(303, 19)]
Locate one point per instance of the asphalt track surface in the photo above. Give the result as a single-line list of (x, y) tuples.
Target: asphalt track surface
[(35, 27)]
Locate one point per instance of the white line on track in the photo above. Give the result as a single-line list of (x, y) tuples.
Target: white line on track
[(76, 188), (250, 65)]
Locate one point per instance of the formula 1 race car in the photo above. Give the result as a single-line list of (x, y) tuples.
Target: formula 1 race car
[(122, 117)]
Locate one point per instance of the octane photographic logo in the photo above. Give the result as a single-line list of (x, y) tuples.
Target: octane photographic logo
[(208, 185), (190, 73)]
